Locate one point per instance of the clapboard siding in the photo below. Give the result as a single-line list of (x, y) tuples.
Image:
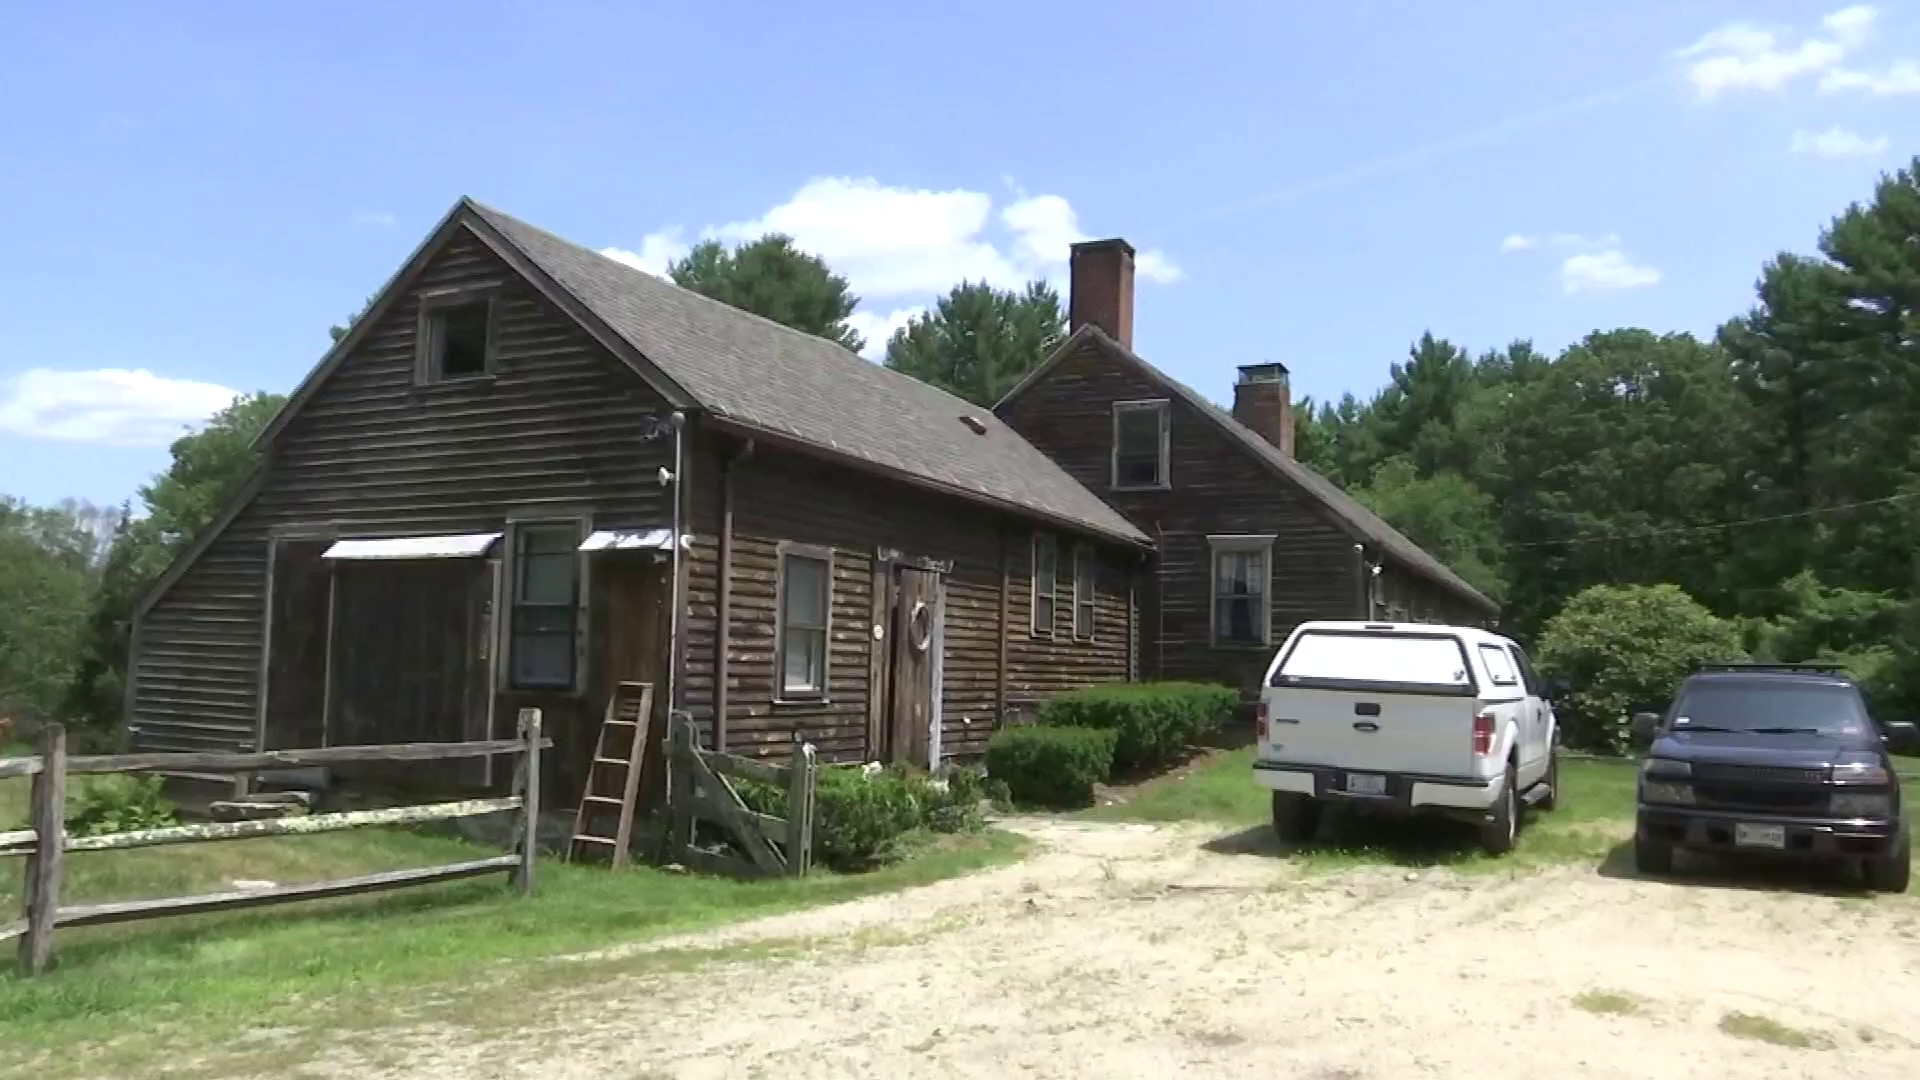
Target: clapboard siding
[(780, 496), (373, 454), (1216, 488)]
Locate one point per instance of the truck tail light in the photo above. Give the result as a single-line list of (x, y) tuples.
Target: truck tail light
[(1482, 734), (1260, 721)]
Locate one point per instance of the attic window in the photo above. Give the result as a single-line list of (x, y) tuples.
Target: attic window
[(456, 339), (974, 423), (1140, 444)]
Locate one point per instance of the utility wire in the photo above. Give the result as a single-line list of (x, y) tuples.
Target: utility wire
[(1681, 530)]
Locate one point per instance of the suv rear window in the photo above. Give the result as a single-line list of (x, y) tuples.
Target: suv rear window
[(1773, 706), (1418, 663)]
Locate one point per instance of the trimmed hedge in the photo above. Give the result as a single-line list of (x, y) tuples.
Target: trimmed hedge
[(1051, 766), (1152, 722), (861, 813)]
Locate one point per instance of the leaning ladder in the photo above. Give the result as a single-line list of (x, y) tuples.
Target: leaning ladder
[(628, 713)]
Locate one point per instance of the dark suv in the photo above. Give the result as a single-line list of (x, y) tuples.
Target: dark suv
[(1773, 759)]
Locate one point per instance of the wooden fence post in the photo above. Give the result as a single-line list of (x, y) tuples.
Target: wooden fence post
[(530, 811), (680, 750), (800, 811), (50, 840)]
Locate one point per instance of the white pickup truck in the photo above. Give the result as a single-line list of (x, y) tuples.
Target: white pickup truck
[(1408, 718)]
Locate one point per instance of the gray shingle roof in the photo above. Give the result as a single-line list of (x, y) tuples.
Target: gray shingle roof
[(1360, 520), (768, 376)]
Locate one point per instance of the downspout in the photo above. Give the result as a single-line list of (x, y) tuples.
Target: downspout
[(723, 636), (679, 421)]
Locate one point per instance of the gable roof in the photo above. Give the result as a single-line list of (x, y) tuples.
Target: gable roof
[(765, 377), (1346, 511)]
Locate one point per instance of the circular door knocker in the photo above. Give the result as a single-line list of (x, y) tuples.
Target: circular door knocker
[(920, 626)]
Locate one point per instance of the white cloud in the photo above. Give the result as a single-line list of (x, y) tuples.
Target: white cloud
[(657, 249), (1519, 242), (107, 405), (1527, 242), (1604, 271), (1745, 56), (375, 217), (1852, 26), (1838, 142), (1900, 77), (876, 328), (904, 246)]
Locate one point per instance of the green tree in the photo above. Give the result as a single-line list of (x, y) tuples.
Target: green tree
[(209, 467), (1625, 648), (1445, 514), (978, 341), (772, 278)]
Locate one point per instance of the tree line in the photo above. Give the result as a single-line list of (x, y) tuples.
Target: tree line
[(1770, 472)]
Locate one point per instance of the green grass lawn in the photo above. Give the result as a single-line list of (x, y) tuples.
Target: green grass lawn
[(295, 966), (1593, 822)]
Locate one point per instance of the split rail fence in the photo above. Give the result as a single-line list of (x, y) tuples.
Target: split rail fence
[(699, 791), (46, 844)]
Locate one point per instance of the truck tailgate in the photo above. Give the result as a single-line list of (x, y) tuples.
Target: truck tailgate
[(1370, 730)]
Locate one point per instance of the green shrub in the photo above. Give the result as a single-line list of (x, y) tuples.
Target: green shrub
[(861, 814), (1044, 765), (1624, 648), (1152, 722), (118, 803)]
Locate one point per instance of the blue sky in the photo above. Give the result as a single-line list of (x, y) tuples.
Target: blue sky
[(191, 194)]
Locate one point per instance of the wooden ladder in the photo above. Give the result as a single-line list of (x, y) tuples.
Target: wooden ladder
[(628, 712)]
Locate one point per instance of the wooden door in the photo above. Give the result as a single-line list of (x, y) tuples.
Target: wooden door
[(630, 646), (916, 604), (301, 590)]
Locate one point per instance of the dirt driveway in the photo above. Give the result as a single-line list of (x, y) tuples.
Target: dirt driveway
[(1139, 951)]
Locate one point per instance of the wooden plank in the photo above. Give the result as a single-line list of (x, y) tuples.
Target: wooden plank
[(291, 759), (879, 648), (710, 807), (42, 893), (721, 804), (636, 761), (20, 766), (530, 809), (125, 911), (800, 793), (744, 768), (291, 826), (708, 862), (9, 931), (1000, 659)]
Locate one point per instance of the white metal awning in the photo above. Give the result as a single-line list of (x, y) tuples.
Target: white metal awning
[(630, 540), (460, 546)]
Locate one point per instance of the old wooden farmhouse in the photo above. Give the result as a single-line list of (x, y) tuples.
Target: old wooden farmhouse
[(491, 491)]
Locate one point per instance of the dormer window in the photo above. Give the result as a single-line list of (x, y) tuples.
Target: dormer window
[(456, 338), (1140, 444)]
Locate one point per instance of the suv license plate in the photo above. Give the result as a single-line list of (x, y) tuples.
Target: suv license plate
[(1361, 783), (1767, 836)]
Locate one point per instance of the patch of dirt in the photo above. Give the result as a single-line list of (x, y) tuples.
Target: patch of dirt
[(1134, 951)]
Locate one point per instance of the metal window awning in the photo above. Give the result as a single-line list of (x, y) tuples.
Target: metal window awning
[(631, 540), (459, 546)]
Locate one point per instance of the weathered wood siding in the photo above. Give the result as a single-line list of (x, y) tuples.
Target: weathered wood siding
[(1216, 488), (780, 495), (1408, 597), (374, 454)]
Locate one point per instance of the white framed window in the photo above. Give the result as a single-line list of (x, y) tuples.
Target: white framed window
[(541, 651), (1140, 444), (1499, 665), (1242, 600), (1046, 584), (455, 338), (1084, 567), (805, 617)]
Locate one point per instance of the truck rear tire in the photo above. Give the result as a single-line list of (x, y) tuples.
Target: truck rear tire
[(1652, 857), (1892, 872), (1498, 835), (1296, 818)]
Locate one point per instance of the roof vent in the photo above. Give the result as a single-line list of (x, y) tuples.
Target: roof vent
[(974, 423)]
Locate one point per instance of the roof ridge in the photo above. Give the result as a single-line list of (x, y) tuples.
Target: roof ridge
[(734, 311)]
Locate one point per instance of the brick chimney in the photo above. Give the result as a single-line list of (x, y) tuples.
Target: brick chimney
[(1263, 401), (1102, 288)]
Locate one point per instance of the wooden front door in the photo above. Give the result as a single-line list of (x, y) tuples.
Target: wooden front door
[(631, 637), (300, 612), (914, 664)]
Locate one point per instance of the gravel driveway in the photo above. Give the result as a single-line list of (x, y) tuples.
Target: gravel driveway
[(1142, 951)]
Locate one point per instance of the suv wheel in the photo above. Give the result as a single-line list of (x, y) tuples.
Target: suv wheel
[(1296, 818), (1891, 872), (1498, 833), (1652, 856)]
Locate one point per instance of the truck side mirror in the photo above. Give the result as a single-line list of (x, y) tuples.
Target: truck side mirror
[(1901, 736), (1644, 725)]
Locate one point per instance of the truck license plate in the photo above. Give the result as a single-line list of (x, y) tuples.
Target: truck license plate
[(1767, 836), (1360, 783)]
